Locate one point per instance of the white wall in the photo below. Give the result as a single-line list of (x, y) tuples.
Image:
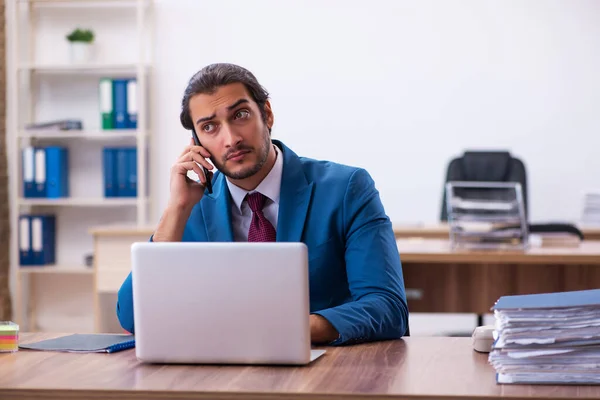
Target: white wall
[(400, 87)]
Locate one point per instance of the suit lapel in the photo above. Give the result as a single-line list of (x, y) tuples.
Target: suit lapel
[(294, 199), (216, 211)]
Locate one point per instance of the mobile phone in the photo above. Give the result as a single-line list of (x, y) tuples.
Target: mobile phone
[(206, 172)]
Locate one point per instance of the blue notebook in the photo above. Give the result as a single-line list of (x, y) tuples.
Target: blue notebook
[(84, 343), (579, 298)]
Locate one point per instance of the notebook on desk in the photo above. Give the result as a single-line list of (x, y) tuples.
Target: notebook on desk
[(84, 343)]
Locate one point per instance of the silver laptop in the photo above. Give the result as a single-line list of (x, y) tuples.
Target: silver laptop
[(221, 303)]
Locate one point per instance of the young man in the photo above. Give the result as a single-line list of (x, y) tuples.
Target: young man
[(263, 191)]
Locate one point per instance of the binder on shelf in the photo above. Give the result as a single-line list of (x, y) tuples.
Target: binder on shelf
[(107, 114), (120, 171), (57, 172), (38, 234), (131, 172), (25, 252), (121, 166), (43, 239), (109, 171), (40, 172), (28, 164), (131, 101), (120, 103)]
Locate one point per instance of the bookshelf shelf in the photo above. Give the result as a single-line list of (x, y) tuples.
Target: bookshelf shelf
[(81, 202), (85, 134), (57, 269), (49, 84), (91, 69), (126, 4)]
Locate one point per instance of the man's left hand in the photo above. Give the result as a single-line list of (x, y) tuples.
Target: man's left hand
[(321, 330)]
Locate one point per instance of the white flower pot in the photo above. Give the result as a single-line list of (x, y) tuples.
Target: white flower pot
[(80, 52)]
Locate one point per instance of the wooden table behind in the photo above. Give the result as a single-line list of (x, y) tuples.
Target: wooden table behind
[(439, 279), (415, 367), (441, 231)]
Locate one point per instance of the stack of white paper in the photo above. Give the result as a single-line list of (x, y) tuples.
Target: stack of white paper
[(591, 208), (551, 338), (486, 215)]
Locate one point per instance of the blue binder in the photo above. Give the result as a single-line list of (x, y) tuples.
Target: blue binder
[(132, 103), (578, 298), (57, 172), (40, 172), (28, 172), (120, 103), (25, 252), (43, 239), (110, 173), (121, 167), (132, 172)]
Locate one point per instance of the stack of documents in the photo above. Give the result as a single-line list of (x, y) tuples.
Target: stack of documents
[(551, 338), (486, 215), (591, 208)]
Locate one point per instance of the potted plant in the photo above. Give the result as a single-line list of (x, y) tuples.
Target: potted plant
[(81, 45)]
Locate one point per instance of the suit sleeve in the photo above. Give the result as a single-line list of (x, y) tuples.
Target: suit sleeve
[(378, 309), (125, 303)]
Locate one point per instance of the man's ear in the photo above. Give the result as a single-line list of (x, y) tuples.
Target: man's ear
[(269, 117)]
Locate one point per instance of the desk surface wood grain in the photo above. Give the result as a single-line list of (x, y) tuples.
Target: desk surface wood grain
[(415, 367), (418, 250)]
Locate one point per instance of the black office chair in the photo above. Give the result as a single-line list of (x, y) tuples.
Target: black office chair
[(486, 166)]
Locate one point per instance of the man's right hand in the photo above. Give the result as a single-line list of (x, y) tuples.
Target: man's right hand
[(185, 193)]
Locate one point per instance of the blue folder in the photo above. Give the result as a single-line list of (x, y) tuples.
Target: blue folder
[(579, 298), (43, 239), (121, 168), (57, 172), (132, 172), (25, 251), (40, 172), (84, 343), (28, 172), (110, 172), (120, 103)]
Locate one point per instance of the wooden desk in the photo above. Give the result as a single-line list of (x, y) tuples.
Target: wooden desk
[(440, 231), (439, 279), (112, 264), (412, 368)]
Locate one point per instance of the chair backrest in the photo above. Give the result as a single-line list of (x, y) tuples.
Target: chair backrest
[(486, 166)]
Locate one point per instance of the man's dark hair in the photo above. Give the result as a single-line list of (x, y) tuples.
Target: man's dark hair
[(213, 76)]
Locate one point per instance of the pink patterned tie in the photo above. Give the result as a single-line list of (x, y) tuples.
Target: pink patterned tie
[(261, 230)]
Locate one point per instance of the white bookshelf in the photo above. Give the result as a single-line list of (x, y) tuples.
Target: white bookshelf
[(58, 269), (82, 134), (82, 202), (87, 69), (37, 71)]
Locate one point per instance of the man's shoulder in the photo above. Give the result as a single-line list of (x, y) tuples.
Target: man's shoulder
[(319, 170)]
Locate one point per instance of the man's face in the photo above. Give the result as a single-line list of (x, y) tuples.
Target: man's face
[(230, 126)]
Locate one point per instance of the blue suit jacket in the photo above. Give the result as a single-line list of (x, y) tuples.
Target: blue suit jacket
[(355, 274)]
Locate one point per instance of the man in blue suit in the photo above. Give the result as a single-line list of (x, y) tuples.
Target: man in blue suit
[(263, 191)]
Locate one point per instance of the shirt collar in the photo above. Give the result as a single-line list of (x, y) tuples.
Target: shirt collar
[(270, 186)]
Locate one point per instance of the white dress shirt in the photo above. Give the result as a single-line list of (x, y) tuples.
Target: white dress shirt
[(241, 214)]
